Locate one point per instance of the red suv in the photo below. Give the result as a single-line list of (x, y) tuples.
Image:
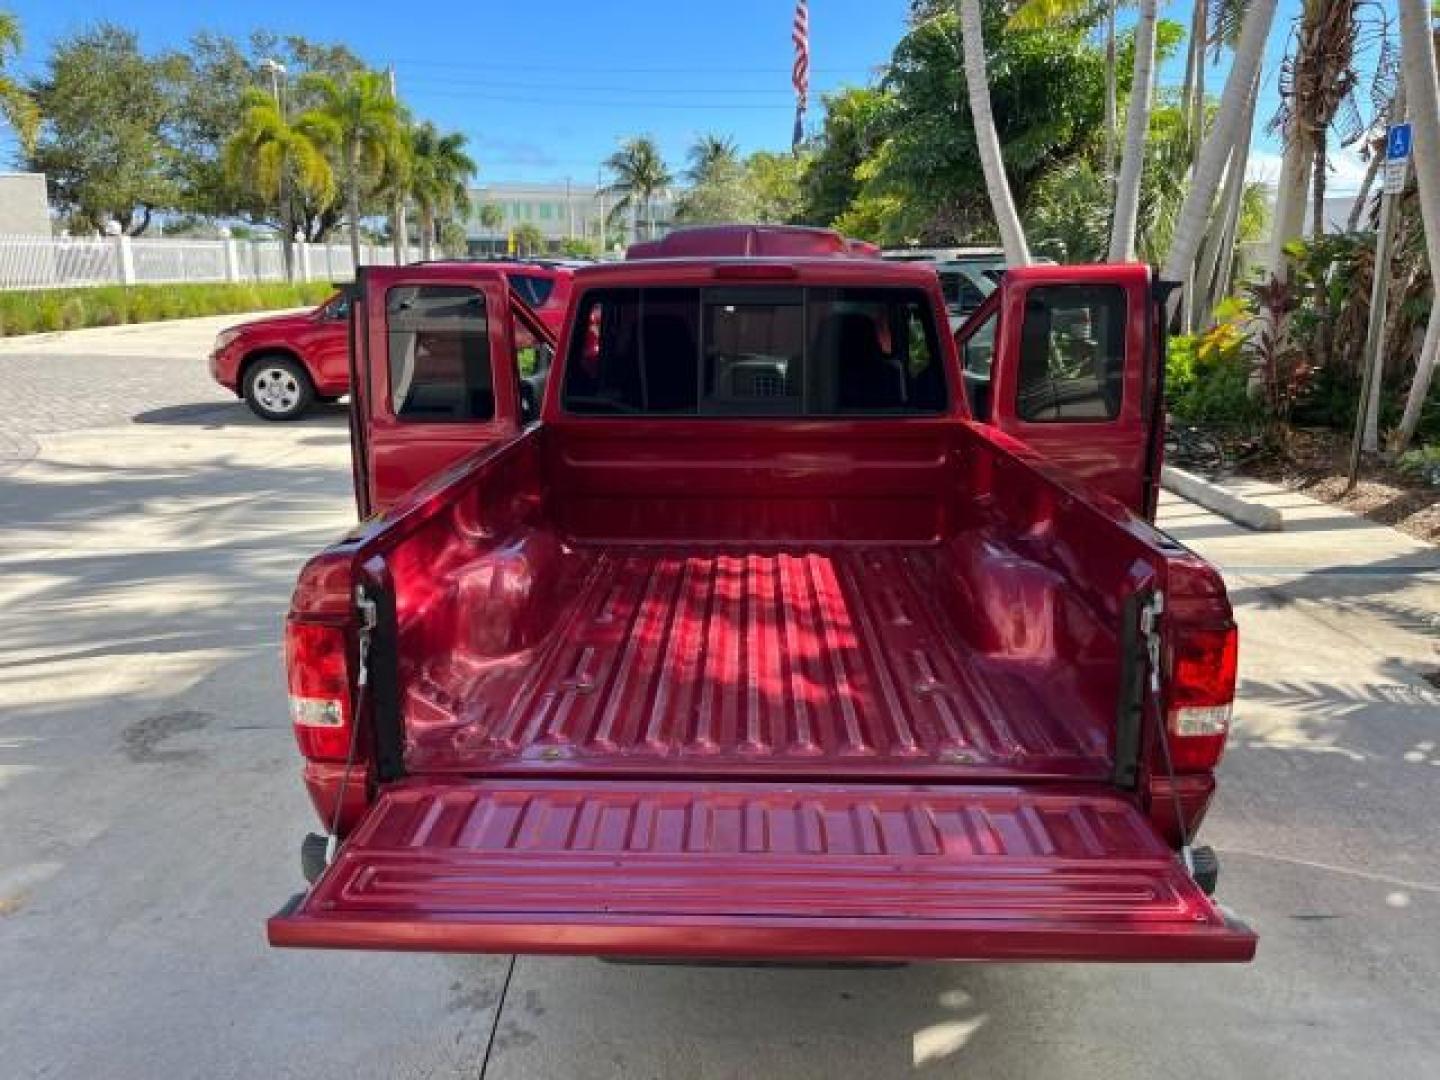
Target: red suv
[(283, 363)]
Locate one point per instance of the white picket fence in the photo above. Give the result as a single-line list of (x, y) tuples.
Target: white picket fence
[(49, 262)]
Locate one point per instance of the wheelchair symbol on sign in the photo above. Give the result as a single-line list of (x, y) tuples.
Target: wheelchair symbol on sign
[(1397, 143)]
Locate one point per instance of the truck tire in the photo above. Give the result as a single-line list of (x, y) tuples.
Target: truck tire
[(278, 388), (1207, 868), (312, 856)]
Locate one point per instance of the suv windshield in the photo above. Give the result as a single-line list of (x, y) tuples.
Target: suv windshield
[(755, 351)]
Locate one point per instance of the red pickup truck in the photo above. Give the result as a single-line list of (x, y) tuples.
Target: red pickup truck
[(756, 643), (282, 364)]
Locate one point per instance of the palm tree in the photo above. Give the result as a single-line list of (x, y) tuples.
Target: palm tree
[(1137, 127), (362, 124), (1417, 62), (16, 105), (639, 174), (267, 150), (713, 157), (1224, 135), (529, 240), (439, 173), (1002, 203)]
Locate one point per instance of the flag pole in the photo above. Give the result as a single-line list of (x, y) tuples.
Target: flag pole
[(800, 71)]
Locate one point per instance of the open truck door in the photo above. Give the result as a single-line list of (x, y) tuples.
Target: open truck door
[(1070, 360), (443, 363)]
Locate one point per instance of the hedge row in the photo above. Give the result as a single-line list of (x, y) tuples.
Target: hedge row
[(43, 310)]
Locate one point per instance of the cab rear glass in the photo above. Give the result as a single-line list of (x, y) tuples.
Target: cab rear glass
[(755, 351)]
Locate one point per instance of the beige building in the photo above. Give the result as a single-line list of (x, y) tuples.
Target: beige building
[(24, 205), (559, 211)]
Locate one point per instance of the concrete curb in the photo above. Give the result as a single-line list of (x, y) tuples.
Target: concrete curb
[(1212, 496)]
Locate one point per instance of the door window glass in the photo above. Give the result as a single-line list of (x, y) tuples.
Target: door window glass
[(978, 357), (439, 353), (533, 288), (1072, 354), (756, 351)]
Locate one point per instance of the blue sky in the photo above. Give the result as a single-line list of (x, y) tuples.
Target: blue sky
[(545, 92)]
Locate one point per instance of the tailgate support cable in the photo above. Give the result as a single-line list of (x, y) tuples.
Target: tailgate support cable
[(369, 617), (1150, 614)]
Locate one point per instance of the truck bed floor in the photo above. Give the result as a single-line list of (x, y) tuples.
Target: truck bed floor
[(829, 662)]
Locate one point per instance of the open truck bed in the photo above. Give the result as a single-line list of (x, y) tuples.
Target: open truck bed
[(658, 677), (803, 662)]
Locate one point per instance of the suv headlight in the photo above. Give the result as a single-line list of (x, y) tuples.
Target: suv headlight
[(225, 337)]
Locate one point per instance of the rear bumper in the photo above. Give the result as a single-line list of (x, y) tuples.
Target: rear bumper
[(761, 871)]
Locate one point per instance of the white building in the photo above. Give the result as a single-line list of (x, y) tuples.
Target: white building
[(560, 211), (24, 205)]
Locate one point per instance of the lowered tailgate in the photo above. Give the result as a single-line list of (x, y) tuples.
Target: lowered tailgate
[(760, 871)]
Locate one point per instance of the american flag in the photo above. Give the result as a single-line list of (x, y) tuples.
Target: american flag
[(800, 73)]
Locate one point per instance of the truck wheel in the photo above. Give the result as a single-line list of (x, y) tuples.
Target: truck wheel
[(312, 856), (278, 388), (1207, 868)]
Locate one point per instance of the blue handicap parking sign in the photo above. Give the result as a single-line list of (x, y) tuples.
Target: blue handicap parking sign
[(1397, 142)]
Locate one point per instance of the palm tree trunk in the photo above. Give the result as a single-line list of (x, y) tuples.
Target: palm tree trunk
[(427, 232), (1002, 203), (1417, 62), (1195, 212), (1110, 92), (1137, 126), (352, 200), (1289, 216), (1197, 96), (399, 230), (1218, 263)]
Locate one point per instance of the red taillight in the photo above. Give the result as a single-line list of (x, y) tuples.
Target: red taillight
[(318, 676), (1202, 690)]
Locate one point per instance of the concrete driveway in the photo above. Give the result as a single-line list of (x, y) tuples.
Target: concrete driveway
[(150, 808)]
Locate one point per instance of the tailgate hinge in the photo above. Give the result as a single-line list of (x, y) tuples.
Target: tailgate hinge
[(369, 619), (1150, 612)]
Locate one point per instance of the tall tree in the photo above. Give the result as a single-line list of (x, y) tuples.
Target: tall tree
[(718, 190), (1043, 14), (712, 156), (774, 181), (105, 144), (849, 136), (274, 158), (997, 186), (922, 167), (16, 106), (1417, 61), (216, 72), (440, 178), (638, 174), (1223, 136), (362, 124), (1137, 127)]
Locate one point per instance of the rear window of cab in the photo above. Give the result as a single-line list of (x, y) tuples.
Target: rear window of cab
[(755, 351)]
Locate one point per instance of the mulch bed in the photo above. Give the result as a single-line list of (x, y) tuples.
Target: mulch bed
[(1317, 463)]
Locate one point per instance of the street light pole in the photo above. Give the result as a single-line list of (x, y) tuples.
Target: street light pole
[(399, 228), (287, 249)]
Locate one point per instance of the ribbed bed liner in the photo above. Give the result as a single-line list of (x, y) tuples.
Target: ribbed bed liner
[(831, 662)]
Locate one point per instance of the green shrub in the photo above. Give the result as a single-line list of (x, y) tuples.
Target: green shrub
[(1422, 463), (1207, 378), (44, 310)]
